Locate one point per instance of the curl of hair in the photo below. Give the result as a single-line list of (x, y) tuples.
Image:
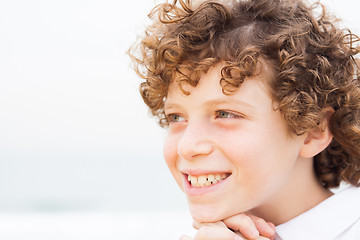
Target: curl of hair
[(314, 64)]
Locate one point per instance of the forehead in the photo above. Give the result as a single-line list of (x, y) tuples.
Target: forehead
[(253, 92), (212, 81)]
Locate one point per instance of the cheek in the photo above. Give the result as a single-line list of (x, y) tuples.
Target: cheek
[(245, 151), (170, 149), (256, 158), (170, 155), (264, 161)]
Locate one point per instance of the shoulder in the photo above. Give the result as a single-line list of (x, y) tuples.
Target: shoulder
[(331, 219), (351, 233)]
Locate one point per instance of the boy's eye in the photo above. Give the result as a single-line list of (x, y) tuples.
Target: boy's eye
[(225, 114), (175, 118)]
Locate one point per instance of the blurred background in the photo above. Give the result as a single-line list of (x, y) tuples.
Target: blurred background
[(80, 157)]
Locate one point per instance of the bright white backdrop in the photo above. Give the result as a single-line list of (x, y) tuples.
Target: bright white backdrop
[(76, 141)]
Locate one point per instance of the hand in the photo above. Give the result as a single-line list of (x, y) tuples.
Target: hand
[(241, 226)]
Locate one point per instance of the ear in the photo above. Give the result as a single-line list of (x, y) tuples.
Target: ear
[(319, 138)]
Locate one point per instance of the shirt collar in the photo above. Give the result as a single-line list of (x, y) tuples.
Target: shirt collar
[(326, 220)]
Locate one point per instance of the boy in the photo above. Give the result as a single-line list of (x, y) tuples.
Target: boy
[(261, 99)]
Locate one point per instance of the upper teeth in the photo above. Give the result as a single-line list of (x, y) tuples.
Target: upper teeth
[(206, 180)]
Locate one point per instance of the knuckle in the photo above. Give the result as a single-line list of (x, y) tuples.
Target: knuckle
[(247, 218), (261, 221)]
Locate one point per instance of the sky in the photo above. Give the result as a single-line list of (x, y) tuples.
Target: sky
[(74, 133)]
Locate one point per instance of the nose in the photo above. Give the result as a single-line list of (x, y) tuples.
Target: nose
[(195, 141)]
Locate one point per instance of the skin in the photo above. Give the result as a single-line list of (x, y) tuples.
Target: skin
[(271, 170), (243, 227)]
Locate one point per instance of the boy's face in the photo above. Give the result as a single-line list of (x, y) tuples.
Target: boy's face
[(236, 149)]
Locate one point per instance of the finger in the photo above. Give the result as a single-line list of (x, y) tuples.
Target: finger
[(216, 233), (185, 237), (273, 228), (264, 228), (243, 224), (262, 238), (198, 225), (258, 238)]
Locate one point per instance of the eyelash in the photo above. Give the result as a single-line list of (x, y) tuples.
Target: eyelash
[(228, 114), (171, 118), (221, 114)]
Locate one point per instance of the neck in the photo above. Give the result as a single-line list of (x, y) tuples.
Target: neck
[(292, 201)]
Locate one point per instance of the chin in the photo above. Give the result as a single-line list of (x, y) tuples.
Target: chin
[(206, 213)]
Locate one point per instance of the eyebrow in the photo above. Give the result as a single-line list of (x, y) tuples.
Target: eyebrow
[(229, 100), (170, 105)]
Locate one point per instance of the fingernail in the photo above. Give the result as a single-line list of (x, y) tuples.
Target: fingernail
[(271, 228)]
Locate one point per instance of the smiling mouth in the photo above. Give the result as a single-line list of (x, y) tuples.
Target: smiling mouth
[(206, 180)]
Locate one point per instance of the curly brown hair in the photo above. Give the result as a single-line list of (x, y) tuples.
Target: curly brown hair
[(314, 63)]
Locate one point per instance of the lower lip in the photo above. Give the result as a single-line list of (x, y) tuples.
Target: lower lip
[(196, 191)]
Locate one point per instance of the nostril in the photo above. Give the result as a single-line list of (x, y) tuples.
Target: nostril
[(193, 149), (195, 141)]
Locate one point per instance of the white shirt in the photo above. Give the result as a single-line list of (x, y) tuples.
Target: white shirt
[(338, 217)]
